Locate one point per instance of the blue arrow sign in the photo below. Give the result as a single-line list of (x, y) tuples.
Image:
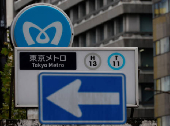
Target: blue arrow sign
[(42, 25), (82, 98)]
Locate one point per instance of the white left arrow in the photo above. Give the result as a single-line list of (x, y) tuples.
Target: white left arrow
[(68, 98)]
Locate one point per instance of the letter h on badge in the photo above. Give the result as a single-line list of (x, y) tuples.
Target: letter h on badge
[(56, 39)]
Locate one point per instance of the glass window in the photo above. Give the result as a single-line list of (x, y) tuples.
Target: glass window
[(75, 13), (165, 83), (169, 4), (164, 45), (101, 32), (93, 36), (99, 4), (75, 42), (147, 57), (163, 6), (162, 84), (119, 24), (156, 10), (146, 23), (83, 40), (109, 1), (147, 96), (159, 122), (157, 48), (111, 28), (91, 6), (165, 120), (68, 13), (158, 85), (154, 49), (82, 10)]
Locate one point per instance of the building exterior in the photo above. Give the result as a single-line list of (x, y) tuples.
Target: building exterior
[(114, 23), (161, 33)]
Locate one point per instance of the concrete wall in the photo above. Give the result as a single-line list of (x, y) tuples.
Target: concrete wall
[(162, 104), (161, 65), (21, 3), (125, 42), (9, 12), (161, 27), (112, 13), (132, 23)]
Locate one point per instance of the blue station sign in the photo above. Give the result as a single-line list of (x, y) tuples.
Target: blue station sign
[(41, 25), (82, 98)]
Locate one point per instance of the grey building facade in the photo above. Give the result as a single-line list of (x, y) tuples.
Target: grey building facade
[(114, 23), (161, 39)]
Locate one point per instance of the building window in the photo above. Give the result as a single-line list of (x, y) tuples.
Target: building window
[(93, 36), (163, 6), (146, 55), (169, 5), (159, 122), (158, 85), (154, 49), (162, 84), (157, 47), (164, 43), (109, 1), (119, 24), (165, 83), (147, 96), (165, 120), (156, 10), (76, 42), (68, 13), (162, 46), (101, 32), (111, 28), (146, 23), (99, 4), (83, 40), (91, 5), (82, 9), (75, 13)]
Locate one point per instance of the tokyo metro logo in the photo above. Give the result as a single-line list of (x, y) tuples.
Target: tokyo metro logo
[(42, 25), (55, 40)]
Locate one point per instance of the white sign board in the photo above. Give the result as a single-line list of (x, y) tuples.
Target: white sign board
[(29, 62)]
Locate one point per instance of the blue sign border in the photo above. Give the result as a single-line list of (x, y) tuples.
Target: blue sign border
[(118, 55), (78, 121)]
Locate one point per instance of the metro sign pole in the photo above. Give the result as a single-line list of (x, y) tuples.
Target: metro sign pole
[(2, 40)]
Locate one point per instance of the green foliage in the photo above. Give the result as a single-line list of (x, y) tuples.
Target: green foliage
[(6, 81)]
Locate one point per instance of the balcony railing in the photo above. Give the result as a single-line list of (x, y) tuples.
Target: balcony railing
[(123, 34), (96, 11)]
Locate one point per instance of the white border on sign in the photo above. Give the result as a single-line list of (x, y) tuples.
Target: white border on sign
[(37, 4), (47, 49), (82, 74)]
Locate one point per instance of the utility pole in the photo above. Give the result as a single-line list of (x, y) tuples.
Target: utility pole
[(3, 38)]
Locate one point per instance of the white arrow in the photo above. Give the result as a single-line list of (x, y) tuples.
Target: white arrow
[(68, 98)]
